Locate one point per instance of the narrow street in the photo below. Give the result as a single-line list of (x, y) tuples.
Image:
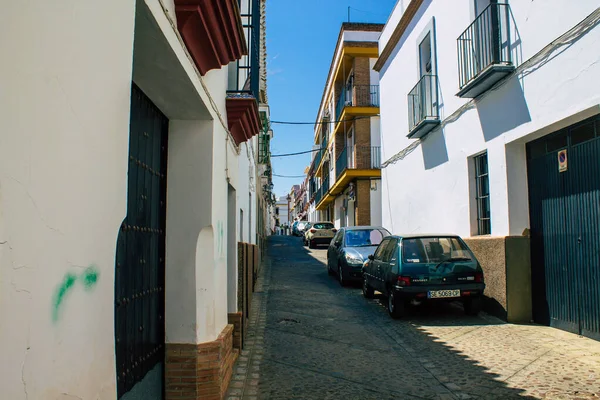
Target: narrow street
[(310, 338)]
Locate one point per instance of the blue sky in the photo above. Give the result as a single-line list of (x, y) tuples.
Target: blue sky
[(301, 37)]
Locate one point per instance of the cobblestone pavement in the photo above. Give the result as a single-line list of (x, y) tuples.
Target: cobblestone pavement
[(309, 338)]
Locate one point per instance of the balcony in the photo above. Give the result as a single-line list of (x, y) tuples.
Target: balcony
[(358, 158), (484, 51), (217, 22), (243, 116), (318, 158), (354, 162), (423, 113), (358, 96)]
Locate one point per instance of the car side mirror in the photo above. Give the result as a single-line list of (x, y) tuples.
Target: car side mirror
[(371, 257)]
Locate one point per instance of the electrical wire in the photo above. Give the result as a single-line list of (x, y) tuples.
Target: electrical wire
[(289, 176), (321, 122), (294, 154), (310, 123)]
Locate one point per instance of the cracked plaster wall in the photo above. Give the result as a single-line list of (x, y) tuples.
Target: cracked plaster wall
[(63, 168), (430, 189)]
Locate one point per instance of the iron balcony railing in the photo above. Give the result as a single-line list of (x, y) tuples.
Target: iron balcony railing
[(246, 80), (318, 158), (319, 195), (357, 96), (487, 41), (358, 157), (423, 101)]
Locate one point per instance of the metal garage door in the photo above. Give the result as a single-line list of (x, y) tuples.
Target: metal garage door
[(564, 195)]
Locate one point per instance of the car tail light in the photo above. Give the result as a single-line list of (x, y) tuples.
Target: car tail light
[(404, 280), (479, 277), (466, 293), (313, 230)]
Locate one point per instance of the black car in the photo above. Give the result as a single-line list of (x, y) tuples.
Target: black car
[(350, 248), (416, 268)]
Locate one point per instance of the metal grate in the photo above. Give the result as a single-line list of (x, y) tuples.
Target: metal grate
[(423, 101), (482, 196), (140, 256), (564, 210), (487, 41), (357, 96), (247, 77)]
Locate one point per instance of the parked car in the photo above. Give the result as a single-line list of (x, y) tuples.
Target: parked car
[(294, 228), (350, 248), (416, 268), (320, 233), (306, 232), (301, 227)]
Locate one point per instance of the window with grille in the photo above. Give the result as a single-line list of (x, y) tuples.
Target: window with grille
[(264, 148), (482, 195)]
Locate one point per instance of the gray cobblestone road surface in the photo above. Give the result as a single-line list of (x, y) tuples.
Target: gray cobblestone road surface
[(309, 338)]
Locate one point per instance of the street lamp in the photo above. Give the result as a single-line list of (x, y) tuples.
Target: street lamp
[(289, 198)]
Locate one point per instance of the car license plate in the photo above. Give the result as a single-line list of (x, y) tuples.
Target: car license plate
[(438, 294)]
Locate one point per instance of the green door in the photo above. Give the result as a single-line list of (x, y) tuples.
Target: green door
[(564, 196), (140, 259)]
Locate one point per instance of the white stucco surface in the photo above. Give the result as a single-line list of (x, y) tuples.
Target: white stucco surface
[(63, 181), (429, 190), (375, 202)]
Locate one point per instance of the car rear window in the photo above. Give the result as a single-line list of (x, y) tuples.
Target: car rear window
[(433, 249), (323, 225), (364, 237)]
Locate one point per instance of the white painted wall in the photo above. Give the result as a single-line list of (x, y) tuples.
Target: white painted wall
[(373, 75), (337, 215), (189, 225), (64, 107), (429, 189), (376, 202), (392, 22), (375, 131)]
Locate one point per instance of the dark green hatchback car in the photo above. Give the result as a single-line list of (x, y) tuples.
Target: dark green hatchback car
[(416, 268)]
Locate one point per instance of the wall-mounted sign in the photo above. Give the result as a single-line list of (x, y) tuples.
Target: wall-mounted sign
[(562, 160), (351, 193)]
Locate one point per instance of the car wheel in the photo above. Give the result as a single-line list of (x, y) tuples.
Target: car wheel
[(395, 307), (341, 276), (311, 245), (329, 270), (367, 290), (473, 305)]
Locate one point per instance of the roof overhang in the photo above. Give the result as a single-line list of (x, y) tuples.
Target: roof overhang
[(212, 31), (242, 118)]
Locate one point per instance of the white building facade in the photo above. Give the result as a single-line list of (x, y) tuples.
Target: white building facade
[(108, 273), (481, 104)]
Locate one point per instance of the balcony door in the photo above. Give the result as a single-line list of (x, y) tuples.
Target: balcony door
[(350, 89), (350, 142), (426, 69), (487, 40)]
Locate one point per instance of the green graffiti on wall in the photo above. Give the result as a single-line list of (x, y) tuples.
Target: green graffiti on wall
[(220, 238), (88, 278)]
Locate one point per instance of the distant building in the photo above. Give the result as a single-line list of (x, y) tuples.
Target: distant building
[(281, 214), (344, 176)]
